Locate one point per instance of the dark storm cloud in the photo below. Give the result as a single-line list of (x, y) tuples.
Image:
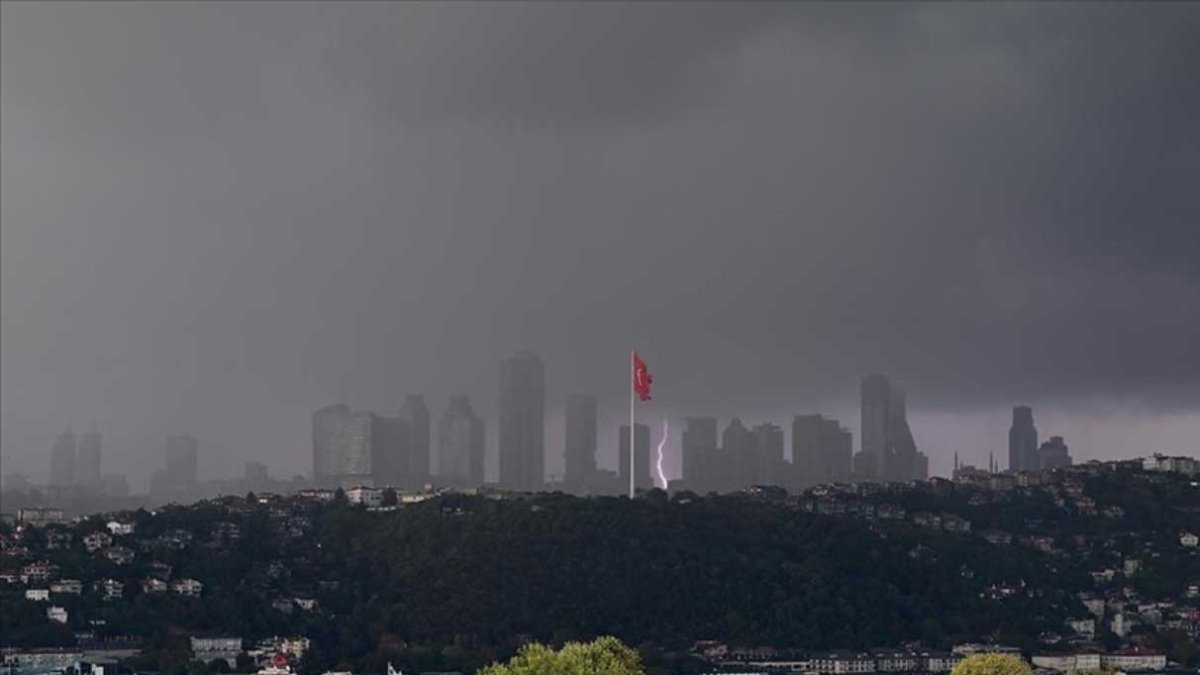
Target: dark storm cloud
[(219, 217)]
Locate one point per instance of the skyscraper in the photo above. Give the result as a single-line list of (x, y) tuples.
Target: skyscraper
[(181, 454), (87, 466), (642, 476), (415, 415), (580, 446), (326, 427), (735, 463), (889, 452), (522, 422), (62, 460), (1054, 454), (821, 450), (1023, 441), (391, 462), (698, 447), (460, 444), (768, 453), (346, 445)]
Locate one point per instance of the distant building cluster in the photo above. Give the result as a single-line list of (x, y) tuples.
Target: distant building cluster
[(75, 467), (1024, 453)]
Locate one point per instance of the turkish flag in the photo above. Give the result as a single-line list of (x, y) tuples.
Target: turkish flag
[(641, 378)]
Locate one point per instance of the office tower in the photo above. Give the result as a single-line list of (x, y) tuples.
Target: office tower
[(460, 444), (87, 464), (346, 444), (415, 415), (1023, 441), (390, 461), (1054, 454), (821, 450), (181, 454), (735, 463), (326, 427), (699, 446), (889, 452), (768, 453), (580, 446), (62, 460), (522, 422), (255, 473), (642, 476)]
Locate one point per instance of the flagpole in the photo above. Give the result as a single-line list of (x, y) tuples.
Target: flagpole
[(632, 448)]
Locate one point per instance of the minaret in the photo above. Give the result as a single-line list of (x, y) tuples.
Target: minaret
[(956, 460)]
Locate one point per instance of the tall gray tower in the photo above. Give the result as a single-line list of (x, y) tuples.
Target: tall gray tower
[(460, 444), (580, 446), (87, 465), (522, 422), (62, 460), (1023, 441)]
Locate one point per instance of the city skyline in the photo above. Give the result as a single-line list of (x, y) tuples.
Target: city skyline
[(992, 205)]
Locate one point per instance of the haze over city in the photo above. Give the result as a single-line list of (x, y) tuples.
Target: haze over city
[(218, 219)]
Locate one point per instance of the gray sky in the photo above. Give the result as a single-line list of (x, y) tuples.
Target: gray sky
[(220, 217)]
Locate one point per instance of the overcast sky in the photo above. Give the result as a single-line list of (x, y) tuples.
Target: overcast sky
[(219, 217)]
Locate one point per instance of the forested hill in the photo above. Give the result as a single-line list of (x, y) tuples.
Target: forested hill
[(459, 579)]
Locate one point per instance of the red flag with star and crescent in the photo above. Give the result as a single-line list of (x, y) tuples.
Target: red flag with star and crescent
[(641, 378)]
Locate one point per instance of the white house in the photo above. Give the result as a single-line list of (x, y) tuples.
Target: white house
[(56, 613), (189, 587), (1189, 540), (37, 594), (117, 528), (1067, 663), (367, 496), (72, 586)]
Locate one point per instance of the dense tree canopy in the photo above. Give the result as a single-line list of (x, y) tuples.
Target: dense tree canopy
[(603, 656)]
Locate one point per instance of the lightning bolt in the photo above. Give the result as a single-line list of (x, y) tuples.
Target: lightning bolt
[(658, 464)]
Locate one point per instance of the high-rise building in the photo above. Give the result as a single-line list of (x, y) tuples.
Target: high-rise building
[(821, 450), (415, 415), (181, 454), (736, 463), (346, 445), (326, 428), (642, 477), (460, 444), (391, 462), (699, 446), (87, 465), (580, 447), (1023, 441), (1054, 454), (522, 422), (255, 473), (768, 453), (62, 460), (889, 452)]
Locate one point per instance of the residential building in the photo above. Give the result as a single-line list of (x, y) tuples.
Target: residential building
[(56, 614), (87, 464), (580, 442), (415, 416), (699, 447), (522, 422), (461, 444), (62, 460)]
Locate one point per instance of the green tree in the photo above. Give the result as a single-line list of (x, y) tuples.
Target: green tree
[(603, 656), (992, 664)]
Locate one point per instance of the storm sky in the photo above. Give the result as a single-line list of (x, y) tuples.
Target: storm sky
[(220, 217)]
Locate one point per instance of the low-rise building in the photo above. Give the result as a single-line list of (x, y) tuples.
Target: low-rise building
[(187, 587), (72, 586), (154, 585), (1134, 659), (366, 496), (120, 528), (40, 517), (110, 589), (118, 555), (1067, 663), (211, 649), (95, 541), (37, 594), (56, 614)]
